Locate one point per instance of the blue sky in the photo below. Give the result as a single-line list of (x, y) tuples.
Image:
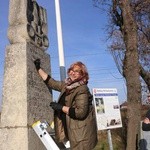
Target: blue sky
[(84, 38)]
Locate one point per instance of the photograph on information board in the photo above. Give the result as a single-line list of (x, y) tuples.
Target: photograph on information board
[(107, 108)]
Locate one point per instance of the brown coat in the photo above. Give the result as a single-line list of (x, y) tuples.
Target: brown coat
[(82, 132)]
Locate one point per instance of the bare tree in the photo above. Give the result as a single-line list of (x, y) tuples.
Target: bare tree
[(141, 14), (131, 73), (130, 49)]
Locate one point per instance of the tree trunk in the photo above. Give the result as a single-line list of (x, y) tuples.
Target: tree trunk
[(131, 72)]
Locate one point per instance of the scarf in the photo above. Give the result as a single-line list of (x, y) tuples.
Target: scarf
[(73, 84)]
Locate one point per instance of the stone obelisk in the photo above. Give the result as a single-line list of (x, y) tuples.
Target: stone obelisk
[(25, 97)]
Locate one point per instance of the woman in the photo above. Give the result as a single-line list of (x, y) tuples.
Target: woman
[(74, 115)]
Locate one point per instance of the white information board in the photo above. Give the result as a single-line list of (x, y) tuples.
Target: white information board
[(107, 108)]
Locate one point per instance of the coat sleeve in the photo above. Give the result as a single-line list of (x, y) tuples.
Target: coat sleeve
[(80, 108), (145, 127), (55, 85)]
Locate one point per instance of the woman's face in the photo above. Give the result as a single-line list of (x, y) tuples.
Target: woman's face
[(75, 73)]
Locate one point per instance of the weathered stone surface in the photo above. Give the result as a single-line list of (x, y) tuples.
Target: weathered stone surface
[(26, 98), (9, 139), (19, 139), (14, 106), (24, 92)]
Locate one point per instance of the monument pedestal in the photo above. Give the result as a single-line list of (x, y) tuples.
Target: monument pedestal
[(25, 97)]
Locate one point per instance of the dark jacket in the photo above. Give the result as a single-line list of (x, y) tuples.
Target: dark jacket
[(145, 126), (81, 129)]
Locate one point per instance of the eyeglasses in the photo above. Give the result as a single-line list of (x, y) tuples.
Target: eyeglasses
[(76, 71)]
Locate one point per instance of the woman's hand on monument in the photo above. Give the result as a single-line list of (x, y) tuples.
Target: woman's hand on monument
[(37, 63), (41, 72)]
